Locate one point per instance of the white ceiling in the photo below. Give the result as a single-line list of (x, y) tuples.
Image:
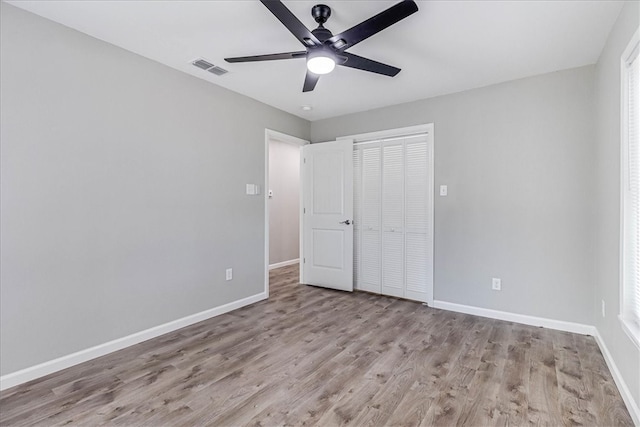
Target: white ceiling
[(446, 47)]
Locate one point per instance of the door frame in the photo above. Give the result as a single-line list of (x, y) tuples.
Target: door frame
[(390, 133), (271, 135), (427, 128)]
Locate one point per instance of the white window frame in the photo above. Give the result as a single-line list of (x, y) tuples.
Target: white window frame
[(632, 329)]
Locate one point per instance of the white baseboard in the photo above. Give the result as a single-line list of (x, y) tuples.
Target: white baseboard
[(284, 263), (560, 325), (46, 368), (632, 406)]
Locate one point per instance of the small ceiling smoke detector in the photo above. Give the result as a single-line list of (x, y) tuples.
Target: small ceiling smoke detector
[(306, 108), (208, 66)]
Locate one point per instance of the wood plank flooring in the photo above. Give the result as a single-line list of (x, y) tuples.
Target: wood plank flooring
[(316, 356)]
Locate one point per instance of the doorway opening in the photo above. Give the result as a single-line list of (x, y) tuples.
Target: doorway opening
[(282, 201)]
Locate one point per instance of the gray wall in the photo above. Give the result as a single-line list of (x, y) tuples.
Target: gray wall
[(607, 83), (518, 159), (284, 206), (122, 188)]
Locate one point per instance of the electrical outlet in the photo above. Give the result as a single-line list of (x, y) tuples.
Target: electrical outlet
[(229, 273), (603, 309), (496, 284)]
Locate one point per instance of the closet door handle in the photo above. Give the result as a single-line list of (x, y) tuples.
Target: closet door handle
[(346, 221)]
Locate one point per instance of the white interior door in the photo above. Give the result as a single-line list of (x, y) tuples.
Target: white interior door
[(327, 238)]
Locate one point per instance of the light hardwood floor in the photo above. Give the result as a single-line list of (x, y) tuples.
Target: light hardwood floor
[(315, 356)]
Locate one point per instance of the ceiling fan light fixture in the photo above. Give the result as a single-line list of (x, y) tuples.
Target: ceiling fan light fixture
[(321, 62), (324, 50)]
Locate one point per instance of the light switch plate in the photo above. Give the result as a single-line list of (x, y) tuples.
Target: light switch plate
[(253, 189), (443, 190)]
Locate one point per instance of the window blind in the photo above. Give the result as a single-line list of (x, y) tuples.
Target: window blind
[(631, 240)]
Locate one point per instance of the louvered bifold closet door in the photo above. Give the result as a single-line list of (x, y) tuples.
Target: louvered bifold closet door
[(370, 238), (393, 218), (418, 219)]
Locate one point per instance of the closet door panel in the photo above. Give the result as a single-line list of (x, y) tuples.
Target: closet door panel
[(393, 218), (370, 237), (357, 214), (418, 219)]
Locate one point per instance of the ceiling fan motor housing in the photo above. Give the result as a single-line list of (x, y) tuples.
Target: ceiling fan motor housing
[(321, 12)]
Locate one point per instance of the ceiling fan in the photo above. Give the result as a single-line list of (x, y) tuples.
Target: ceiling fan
[(323, 49)]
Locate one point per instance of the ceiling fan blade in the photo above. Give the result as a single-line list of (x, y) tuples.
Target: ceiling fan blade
[(270, 57), (292, 23), (310, 81), (373, 25), (355, 61)]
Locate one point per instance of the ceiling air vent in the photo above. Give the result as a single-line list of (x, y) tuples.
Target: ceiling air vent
[(217, 70), (208, 66)]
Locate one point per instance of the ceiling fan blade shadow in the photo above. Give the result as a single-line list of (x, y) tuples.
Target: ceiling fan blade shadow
[(269, 57), (373, 25), (310, 81), (292, 23), (365, 64)]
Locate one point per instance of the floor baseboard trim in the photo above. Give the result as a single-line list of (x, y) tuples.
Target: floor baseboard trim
[(632, 406), (46, 368), (560, 325), (284, 263)]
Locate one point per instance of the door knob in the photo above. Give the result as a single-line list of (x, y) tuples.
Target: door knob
[(346, 221)]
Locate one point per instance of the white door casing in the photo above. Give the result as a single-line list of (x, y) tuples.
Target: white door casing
[(327, 182)]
